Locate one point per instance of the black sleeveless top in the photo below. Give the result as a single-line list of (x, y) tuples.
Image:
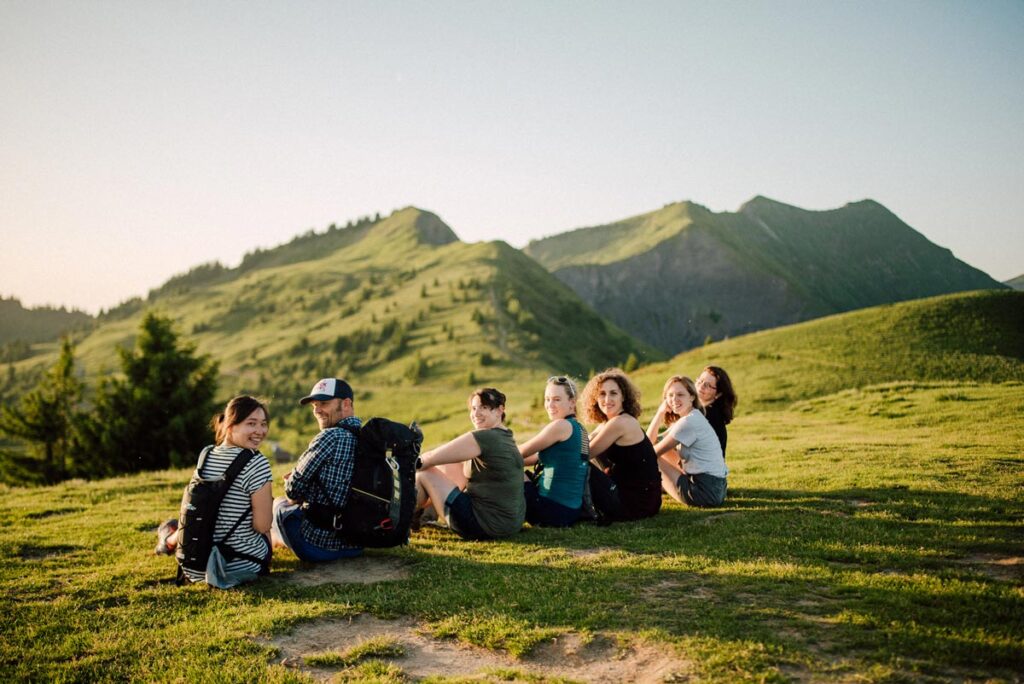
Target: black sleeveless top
[(717, 419), (634, 469)]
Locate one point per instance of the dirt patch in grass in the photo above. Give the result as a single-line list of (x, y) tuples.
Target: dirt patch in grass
[(675, 590), (598, 658), (1003, 568), (589, 553), (712, 519), (361, 570)]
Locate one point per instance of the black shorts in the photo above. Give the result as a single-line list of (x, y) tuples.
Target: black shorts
[(545, 512), (458, 510)]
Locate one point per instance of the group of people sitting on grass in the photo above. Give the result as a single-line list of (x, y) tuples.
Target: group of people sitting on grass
[(477, 484)]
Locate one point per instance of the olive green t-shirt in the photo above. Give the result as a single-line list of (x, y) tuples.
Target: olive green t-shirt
[(496, 483)]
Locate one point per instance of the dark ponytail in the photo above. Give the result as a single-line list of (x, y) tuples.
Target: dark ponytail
[(237, 410)]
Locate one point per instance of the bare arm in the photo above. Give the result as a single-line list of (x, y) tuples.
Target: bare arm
[(462, 448), (605, 436), (656, 422), (554, 432), (665, 445), (262, 508)]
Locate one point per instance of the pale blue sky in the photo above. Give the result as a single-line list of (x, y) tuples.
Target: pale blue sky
[(139, 139)]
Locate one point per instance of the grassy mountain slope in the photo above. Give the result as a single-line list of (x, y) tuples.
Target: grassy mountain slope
[(872, 533), (39, 324), (681, 274), (971, 337), (402, 308)]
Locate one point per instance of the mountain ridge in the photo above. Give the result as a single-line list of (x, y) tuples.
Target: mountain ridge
[(715, 275)]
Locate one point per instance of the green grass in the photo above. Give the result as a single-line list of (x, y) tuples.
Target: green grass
[(675, 276), (861, 540), (975, 335), (375, 648), (367, 312)]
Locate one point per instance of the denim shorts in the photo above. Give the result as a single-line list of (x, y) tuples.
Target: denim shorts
[(545, 512), (701, 490), (458, 510)]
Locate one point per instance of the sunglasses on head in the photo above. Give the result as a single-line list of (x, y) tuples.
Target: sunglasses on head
[(564, 382)]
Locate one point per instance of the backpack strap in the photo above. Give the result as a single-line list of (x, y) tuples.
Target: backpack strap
[(230, 475), (323, 515), (351, 429), (202, 459)]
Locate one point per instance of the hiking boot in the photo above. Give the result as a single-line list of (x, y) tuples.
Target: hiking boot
[(167, 529)]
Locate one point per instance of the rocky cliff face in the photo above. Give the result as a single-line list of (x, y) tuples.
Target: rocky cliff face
[(770, 264), (689, 288)]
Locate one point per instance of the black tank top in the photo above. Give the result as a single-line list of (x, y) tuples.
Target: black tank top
[(634, 469)]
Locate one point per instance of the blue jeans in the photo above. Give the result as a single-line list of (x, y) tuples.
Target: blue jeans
[(288, 519)]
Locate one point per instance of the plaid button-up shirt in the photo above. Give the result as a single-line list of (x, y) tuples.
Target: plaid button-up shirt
[(323, 475)]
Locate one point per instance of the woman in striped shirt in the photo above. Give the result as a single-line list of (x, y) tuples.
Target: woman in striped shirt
[(248, 502)]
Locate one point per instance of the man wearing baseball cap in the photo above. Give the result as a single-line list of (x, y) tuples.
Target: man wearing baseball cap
[(321, 478)]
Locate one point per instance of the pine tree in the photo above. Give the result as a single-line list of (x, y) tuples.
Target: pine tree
[(49, 418), (631, 364), (156, 415)]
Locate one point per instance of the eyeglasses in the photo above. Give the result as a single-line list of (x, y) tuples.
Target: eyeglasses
[(705, 383), (564, 382)]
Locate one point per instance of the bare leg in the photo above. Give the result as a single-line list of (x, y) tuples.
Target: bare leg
[(670, 474), (433, 486), (456, 473)]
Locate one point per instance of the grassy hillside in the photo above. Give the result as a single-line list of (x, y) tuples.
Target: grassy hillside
[(872, 536), (406, 312), (38, 324), (679, 275), (977, 336), (617, 241)]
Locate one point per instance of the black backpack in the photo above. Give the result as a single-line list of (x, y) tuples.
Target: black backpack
[(382, 493), (198, 520)]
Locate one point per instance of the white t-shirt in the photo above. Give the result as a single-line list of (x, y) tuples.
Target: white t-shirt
[(698, 445)]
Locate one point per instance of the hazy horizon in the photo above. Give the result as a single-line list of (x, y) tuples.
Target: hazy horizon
[(142, 139)]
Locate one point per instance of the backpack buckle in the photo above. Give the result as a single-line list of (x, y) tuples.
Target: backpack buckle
[(336, 522)]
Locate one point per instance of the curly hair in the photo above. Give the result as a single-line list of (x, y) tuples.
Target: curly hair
[(691, 389), (630, 395)]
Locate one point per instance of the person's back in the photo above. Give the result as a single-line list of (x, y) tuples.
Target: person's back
[(634, 469), (232, 482), (236, 512), (321, 481), (565, 469), (699, 448), (495, 482), (318, 487)]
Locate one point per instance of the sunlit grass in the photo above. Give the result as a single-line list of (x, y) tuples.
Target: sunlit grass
[(853, 544)]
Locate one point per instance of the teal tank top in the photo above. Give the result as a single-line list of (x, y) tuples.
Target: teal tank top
[(565, 468)]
